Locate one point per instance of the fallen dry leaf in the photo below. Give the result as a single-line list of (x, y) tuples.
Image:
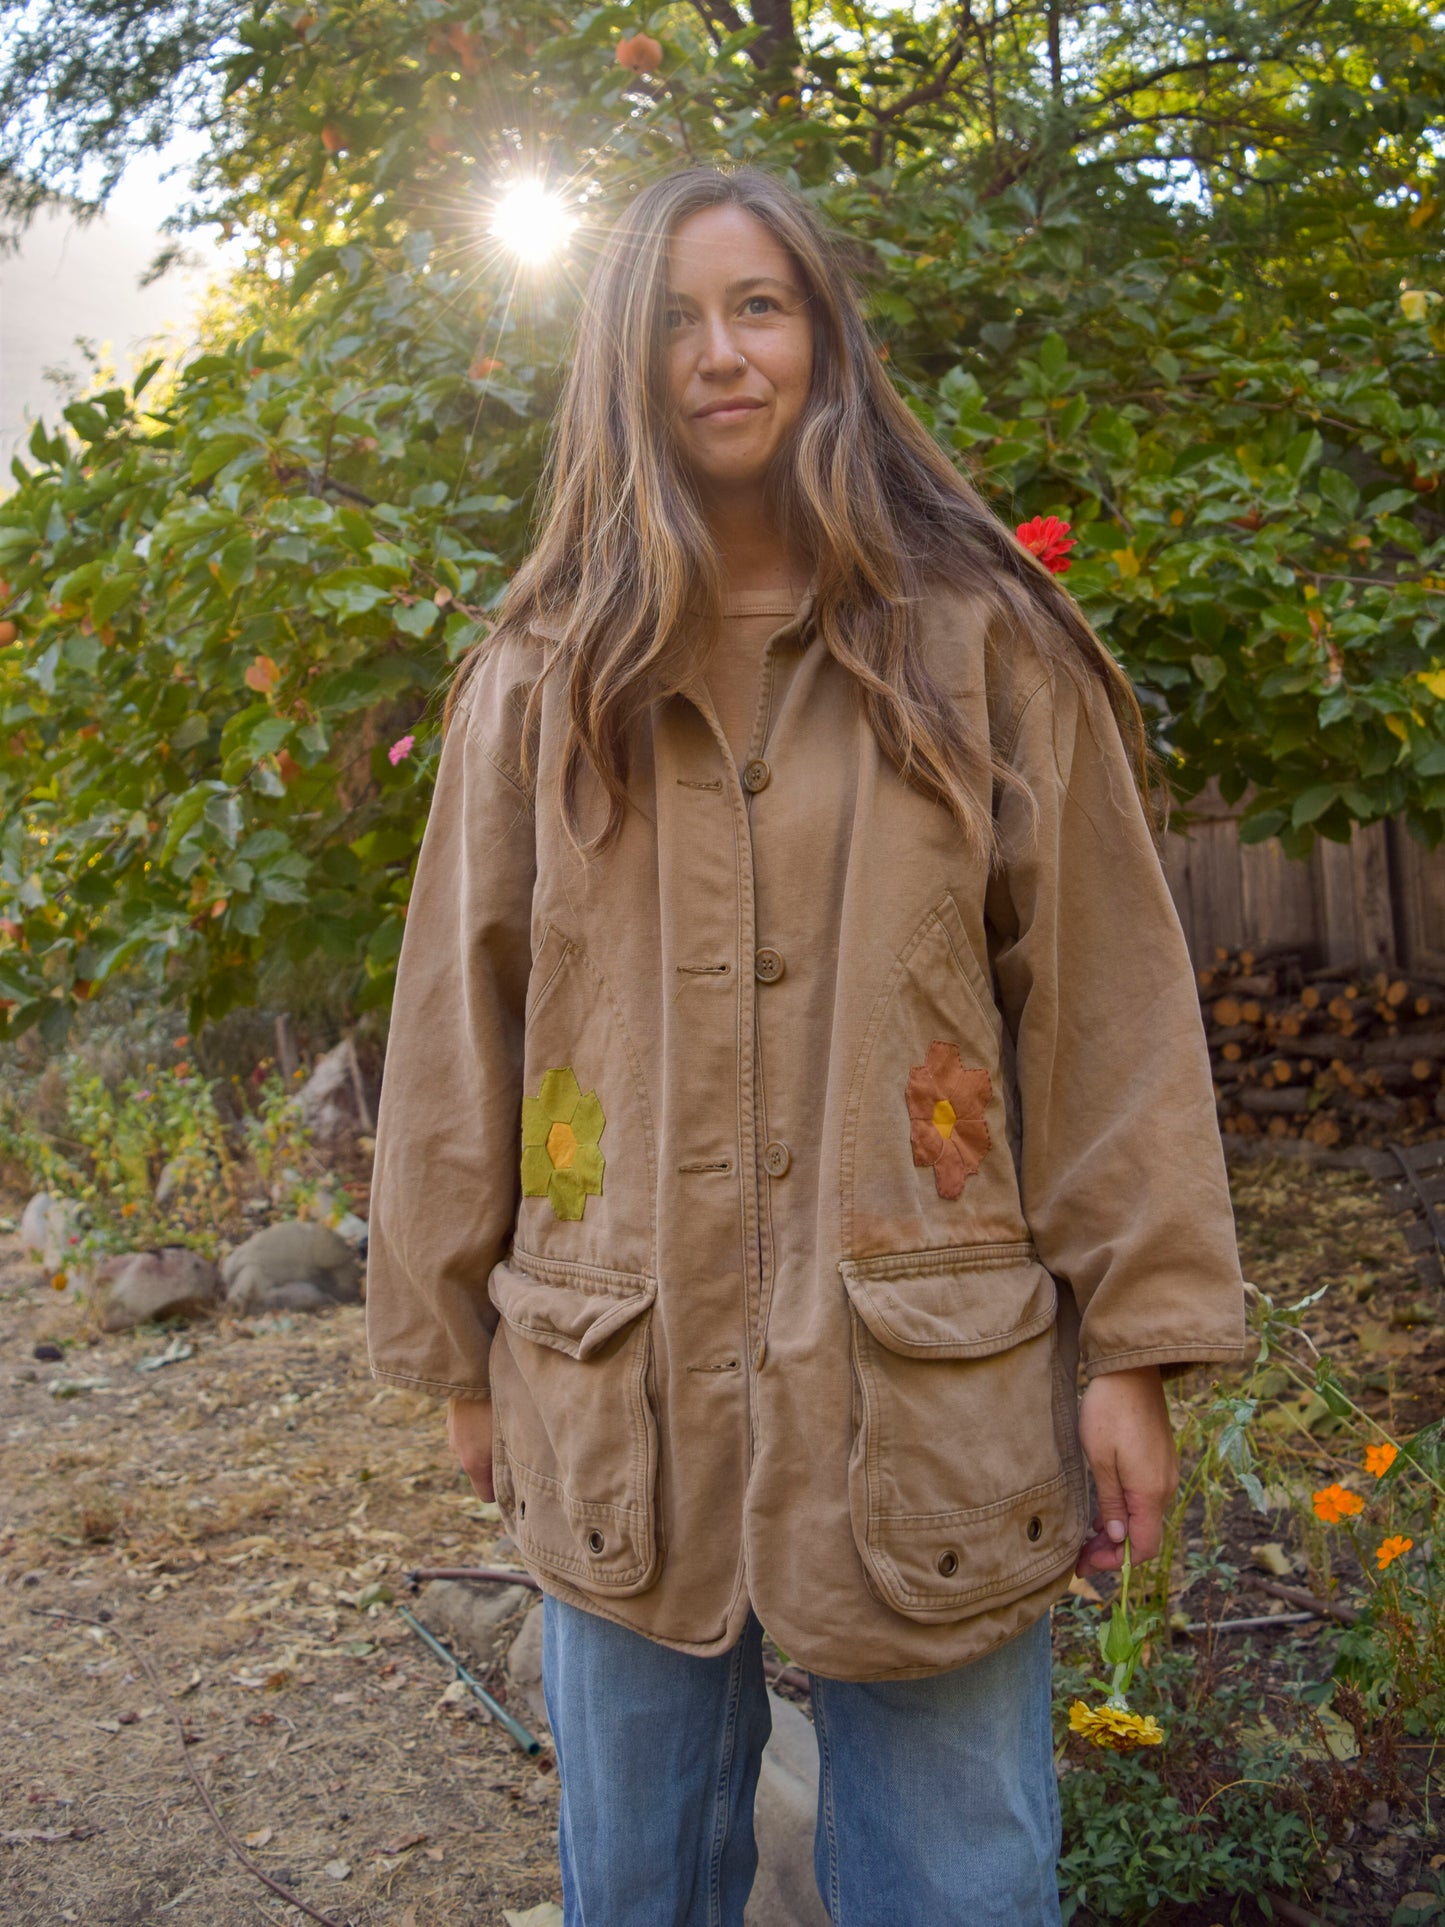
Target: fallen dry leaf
[(260, 1838), (403, 1844)]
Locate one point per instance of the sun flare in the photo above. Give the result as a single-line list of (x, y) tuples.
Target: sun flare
[(531, 221)]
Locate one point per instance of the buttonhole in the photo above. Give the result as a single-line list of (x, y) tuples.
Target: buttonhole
[(707, 1164), (706, 970), (728, 1365), (522, 1509), (697, 783)]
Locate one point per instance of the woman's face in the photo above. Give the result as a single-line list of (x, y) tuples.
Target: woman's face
[(733, 290)]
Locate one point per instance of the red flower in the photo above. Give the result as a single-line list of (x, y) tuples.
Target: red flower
[(1049, 539), (946, 1104)]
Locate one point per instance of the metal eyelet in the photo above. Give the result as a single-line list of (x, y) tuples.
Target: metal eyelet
[(948, 1564), (1035, 1528), (595, 1541)]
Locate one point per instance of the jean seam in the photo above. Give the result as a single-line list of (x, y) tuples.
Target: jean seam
[(724, 1777), (833, 1899)]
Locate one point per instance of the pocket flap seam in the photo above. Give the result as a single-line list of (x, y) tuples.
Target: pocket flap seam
[(573, 1308), (944, 1330)]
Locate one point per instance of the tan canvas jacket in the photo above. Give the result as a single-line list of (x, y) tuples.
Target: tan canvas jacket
[(774, 1173)]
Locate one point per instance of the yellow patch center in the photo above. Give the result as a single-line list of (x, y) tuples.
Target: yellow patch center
[(944, 1117), (561, 1145)]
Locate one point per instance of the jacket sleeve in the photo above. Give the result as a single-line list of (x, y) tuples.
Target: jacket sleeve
[(1122, 1169), (446, 1174)]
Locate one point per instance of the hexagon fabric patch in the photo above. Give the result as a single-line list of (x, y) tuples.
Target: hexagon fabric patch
[(946, 1103), (560, 1129)]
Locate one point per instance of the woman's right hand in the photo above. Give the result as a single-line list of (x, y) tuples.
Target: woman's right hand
[(469, 1434)]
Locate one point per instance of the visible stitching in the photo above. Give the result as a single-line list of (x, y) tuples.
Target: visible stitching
[(730, 1365), (706, 1164), (938, 1258), (705, 970), (826, 1811), (725, 1766), (569, 1271), (698, 783)]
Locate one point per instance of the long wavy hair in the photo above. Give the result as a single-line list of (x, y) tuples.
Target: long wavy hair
[(626, 578)]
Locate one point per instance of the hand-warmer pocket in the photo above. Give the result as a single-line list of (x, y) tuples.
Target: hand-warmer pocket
[(574, 1424), (965, 1480)]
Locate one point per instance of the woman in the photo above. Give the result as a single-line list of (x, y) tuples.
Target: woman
[(795, 1070)]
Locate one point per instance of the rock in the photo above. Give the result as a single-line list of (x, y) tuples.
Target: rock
[(50, 1228), (785, 1894), (47, 1353), (294, 1266), (328, 1097), (474, 1619), (136, 1286), (524, 1666)]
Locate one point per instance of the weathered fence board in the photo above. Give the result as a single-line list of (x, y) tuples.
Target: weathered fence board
[(1376, 901)]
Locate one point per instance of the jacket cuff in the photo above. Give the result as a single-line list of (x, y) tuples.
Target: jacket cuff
[(442, 1389), (1173, 1359)]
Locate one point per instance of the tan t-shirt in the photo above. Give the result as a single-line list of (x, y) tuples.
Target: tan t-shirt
[(750, 616)]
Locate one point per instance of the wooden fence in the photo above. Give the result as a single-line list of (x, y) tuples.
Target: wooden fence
[(1376, 901)]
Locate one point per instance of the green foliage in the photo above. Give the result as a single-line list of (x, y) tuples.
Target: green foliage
[(1132, 1849), (111, 1143), (1170, 275)]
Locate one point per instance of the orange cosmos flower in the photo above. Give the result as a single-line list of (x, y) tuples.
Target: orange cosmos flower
[(1336, 1502), (1379, 1458), (1391, 1549)]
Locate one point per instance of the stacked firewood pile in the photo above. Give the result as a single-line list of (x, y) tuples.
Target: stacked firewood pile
[(1328, 1055)]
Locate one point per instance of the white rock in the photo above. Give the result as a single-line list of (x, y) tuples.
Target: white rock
[(134, 1287), (472, 1618), (785, 1893), (296, 1266), (50, 1229), (328, 1097), (524, 1666)]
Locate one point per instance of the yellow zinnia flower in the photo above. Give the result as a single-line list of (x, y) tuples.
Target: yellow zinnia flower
[(1391, 1549), (1115, 1727)]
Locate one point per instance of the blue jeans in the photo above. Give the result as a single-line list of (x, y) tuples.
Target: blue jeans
[(937, 1800)]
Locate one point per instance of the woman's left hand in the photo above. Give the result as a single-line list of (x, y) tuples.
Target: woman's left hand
[(1125, 1430)]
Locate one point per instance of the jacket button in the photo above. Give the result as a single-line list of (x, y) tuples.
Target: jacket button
[(777, 1158), (756, 774), (948, 1564), (768, 965)]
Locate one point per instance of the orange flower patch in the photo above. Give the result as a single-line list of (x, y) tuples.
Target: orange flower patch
[(1391, 1549), (946, 1105), (1336, 1502), (1379, 1458)]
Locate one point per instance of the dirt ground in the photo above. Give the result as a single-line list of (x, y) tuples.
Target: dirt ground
[(230, 1510)]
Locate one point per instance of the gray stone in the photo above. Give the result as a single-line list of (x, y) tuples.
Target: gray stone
[(524, 1666), (296, 1266), (475, 1620), (134, 1287), (785, 1894)]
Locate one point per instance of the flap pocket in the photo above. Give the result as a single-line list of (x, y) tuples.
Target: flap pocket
[(959, 1301), (574, 1426), (965, 1480), (573, 1308)]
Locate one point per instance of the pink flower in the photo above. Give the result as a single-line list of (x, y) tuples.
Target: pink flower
[(1049, 539), (401, 747)]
